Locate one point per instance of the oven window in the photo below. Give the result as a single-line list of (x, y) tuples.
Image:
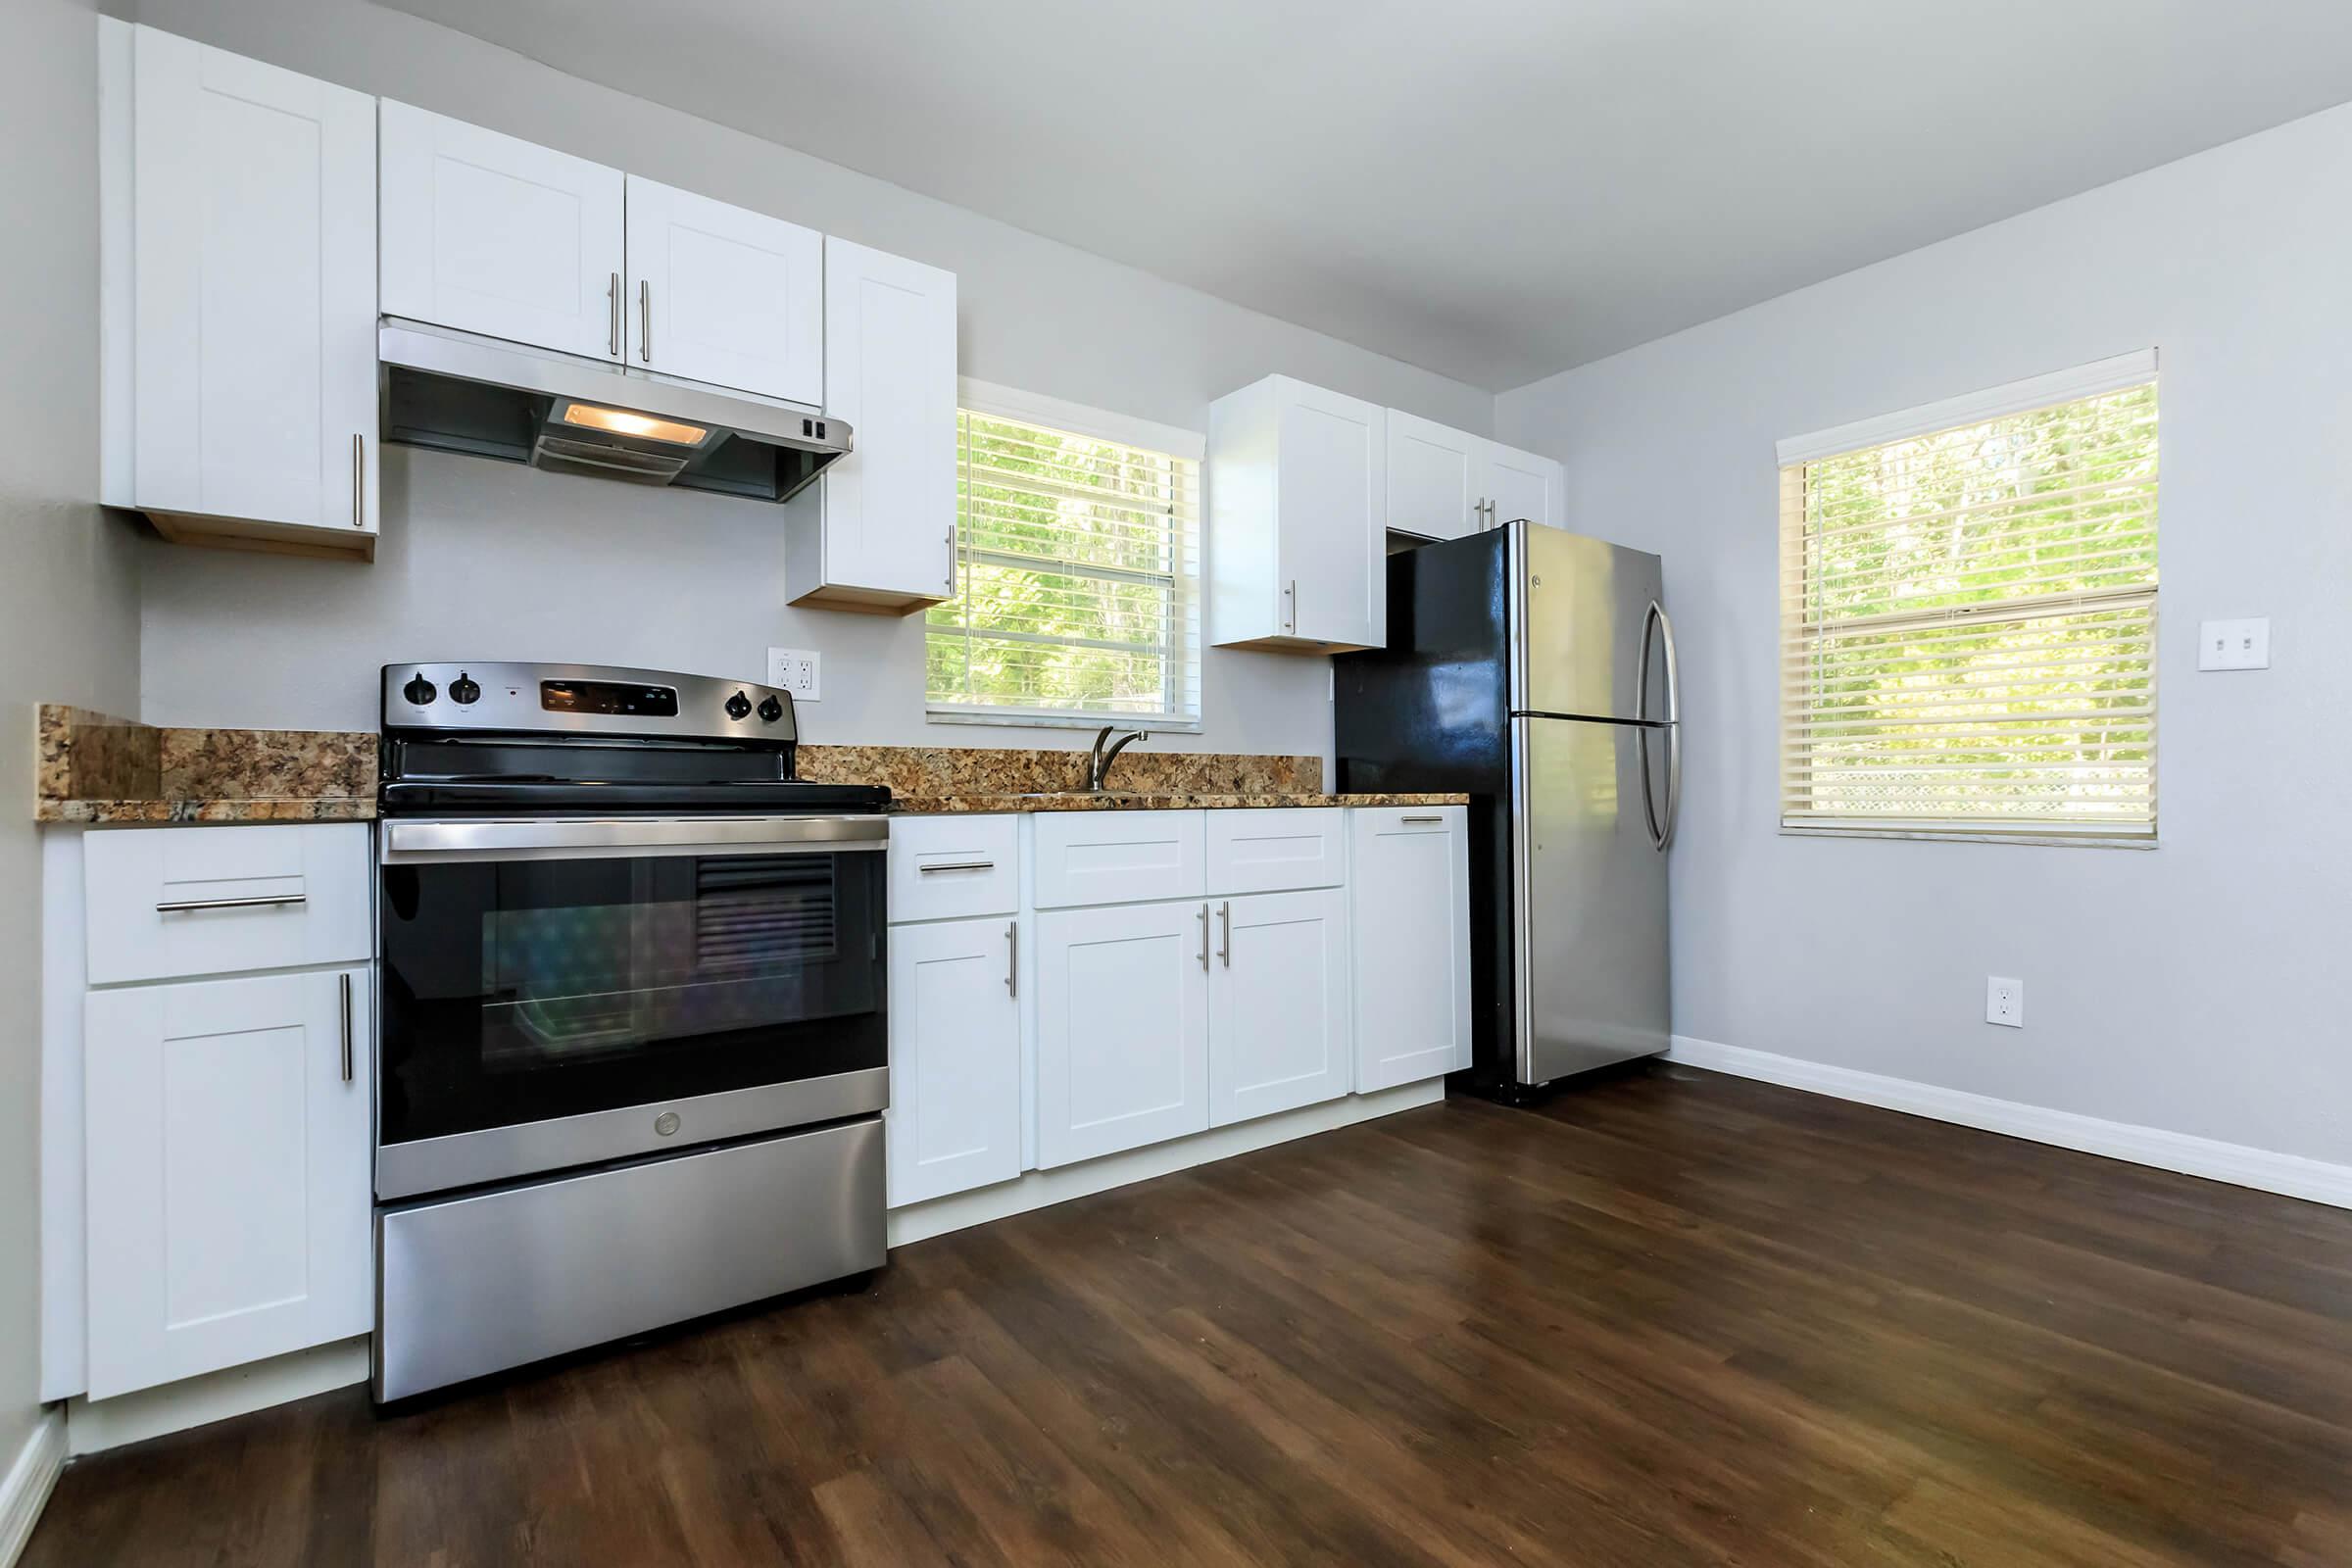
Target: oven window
[(520, 991)]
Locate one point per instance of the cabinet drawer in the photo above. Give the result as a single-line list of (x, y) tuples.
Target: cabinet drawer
[(950, 867), (1118, 856), (1276, 850), (1386, 819), (167, 902)]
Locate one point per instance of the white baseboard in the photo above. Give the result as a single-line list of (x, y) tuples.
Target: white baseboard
[(28, 1483), (93, 1425), (1038, 1187), (2292, 1175)]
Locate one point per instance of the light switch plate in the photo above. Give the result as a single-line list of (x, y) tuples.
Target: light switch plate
[(2234, 644), (795, 670)]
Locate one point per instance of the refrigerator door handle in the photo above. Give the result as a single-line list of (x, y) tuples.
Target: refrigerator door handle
[(1661, 833)]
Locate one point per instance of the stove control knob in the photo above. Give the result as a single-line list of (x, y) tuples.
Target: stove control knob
[(771, 711), (419, 690), (738, 705), (464, 690)]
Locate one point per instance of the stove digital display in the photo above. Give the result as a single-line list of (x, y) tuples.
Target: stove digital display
[(609, 697)]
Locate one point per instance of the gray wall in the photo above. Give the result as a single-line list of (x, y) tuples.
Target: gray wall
[(2200, 987), (484, 561), (68, 624)]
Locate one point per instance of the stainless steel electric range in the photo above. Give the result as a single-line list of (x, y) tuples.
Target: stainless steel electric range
[(631, 1035)]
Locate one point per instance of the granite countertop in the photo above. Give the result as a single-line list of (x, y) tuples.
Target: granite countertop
[(95, 768), (1148, 801), (90, 767)]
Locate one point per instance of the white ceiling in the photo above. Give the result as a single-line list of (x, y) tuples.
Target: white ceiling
[(1489, 189)]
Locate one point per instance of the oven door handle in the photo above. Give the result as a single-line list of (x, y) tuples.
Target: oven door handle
[(411, 842)]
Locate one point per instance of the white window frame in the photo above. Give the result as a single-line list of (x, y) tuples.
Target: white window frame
[(1103, 424), (2118, 373)]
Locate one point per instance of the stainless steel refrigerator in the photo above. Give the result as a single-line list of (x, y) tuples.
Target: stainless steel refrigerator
[(1536, 670)]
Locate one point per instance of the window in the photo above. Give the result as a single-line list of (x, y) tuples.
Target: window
[(1968, 615), (1078, 547)]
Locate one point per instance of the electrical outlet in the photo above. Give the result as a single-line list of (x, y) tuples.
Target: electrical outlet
[(795, 671), (2004, 1002), (2234, 644)]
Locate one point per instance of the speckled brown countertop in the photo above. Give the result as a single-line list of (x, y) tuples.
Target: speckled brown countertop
[(95, 768), (91, 767), (1147, 801)]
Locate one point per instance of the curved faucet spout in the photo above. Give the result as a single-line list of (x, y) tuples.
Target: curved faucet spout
[(1099, 759)]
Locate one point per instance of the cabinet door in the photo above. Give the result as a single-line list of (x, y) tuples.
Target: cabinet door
[(888, 507), (491, 234), (1278, 1013), (955, 1058), (725, 295), (1522, 485), (252, 277), (1122, 1028), (1434, 478), (1409, 892), (1331, 536), (228, 1156)]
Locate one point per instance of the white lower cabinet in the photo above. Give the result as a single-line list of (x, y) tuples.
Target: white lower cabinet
[(1409, 890), (1277, 1008), (1122, 1028), (226, 1145), (955, 1120), (1165, 972)]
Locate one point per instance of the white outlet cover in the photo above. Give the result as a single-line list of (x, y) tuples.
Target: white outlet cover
[(2005, 1001), (796, 670), (2234, 644)]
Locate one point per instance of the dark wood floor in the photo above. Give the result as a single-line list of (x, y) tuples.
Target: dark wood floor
[(1674, 1318)]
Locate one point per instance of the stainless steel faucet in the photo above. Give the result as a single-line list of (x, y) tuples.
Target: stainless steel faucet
[(1099, 760)]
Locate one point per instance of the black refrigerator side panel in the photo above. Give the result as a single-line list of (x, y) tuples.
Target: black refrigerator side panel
[(1432, 711)]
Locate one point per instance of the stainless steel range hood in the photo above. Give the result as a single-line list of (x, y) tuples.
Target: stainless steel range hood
[(457, 392)]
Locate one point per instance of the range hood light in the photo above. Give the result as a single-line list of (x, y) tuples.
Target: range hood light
[(621, 422)]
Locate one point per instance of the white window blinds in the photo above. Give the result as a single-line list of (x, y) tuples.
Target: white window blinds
[(1969, 627), (1077, 581)]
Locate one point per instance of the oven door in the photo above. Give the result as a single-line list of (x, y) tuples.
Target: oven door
[(558, 993)]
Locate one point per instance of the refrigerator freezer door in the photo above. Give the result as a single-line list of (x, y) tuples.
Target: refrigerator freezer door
[(1589, 897), (1577, 624)]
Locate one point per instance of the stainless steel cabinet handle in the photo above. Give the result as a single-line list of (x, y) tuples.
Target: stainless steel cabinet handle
[(345, 978), (613, 316), (950, 557), (957, 865), (1012, 955), (1225, 921), (359, 480), (1409, 820), (263, 901), (1204, 939), (1292, 593), (645, 320)]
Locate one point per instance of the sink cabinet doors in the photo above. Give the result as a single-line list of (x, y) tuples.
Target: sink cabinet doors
[(1122, 1028)]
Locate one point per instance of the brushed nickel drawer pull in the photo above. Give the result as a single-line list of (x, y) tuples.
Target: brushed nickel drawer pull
[(1012, 955), (345, 978), (262, 900), (957, 865), (1412, 819)]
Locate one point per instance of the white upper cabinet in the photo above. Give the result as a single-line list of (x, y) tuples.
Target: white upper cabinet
[(1519, 484), (237, 285), (1435, 480), (1445, 483), (878, 532), (491, 234), (1299, 518), (725, 295)]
